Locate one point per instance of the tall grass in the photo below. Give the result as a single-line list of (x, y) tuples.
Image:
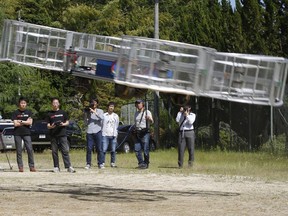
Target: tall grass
[(263, 166), (257, 165)]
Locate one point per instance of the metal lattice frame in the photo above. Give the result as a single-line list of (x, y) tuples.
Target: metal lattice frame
[(159, 65)]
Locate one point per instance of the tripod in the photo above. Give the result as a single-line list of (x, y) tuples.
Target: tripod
[(5, 150)]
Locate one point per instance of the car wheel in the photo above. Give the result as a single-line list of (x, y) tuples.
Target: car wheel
[(39, 149), (126, 147), (22, 144)]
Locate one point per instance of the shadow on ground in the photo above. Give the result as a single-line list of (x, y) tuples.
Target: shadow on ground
[(101, 193)]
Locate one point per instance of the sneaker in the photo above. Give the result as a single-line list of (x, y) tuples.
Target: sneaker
[(113, 165), (56, 170), (32, 169), (71, 169), (21, 169), (142, 166), (88, 166), (101, 166)]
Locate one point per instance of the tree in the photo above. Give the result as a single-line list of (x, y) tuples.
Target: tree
[(80, 18), (19, 80), (111, 21), (8, 9), (283, 17), (33, 11), (55, 10), (215, 23), (271, 26), (231, 31), (237, 39), (252, 24)]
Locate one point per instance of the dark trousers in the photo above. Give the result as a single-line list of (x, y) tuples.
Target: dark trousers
[(186, 139), (28, 145), (60, 143)]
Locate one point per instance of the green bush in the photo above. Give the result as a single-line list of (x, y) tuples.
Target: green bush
[(277, 146)]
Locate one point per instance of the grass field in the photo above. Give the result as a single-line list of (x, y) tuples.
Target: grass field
[(219, 183), (255, 165)]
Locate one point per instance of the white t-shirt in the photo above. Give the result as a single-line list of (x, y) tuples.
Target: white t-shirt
[(110, 124)]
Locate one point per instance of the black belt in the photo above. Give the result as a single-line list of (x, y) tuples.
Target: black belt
[(185, 130)]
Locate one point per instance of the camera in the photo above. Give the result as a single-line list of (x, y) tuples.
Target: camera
[(87, 108), (186, 109), (91, 105), (57, 123)]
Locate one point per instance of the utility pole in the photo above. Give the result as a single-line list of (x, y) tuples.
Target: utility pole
[(19, 85), (156, 99), (156, 20)]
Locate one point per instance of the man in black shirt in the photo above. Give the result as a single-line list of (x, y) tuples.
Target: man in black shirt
[(22, 119), (57, 121)]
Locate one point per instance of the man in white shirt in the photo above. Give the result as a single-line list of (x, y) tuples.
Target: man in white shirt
[(110, 133), (185, 118)]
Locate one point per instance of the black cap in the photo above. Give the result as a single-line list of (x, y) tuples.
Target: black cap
[(139, 101)]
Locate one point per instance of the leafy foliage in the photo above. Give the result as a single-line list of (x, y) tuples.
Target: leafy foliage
[(254, 26)]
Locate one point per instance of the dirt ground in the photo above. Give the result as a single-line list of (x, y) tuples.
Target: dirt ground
[(137, 192)]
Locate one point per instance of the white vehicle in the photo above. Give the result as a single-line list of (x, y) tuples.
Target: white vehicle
[(7, 139), (5, 123)]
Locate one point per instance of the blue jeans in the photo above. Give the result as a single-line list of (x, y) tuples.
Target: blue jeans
[(140, 144), (94, 139), (109, 140)]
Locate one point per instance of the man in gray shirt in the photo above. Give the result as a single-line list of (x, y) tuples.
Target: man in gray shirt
[(143, 118), (94, 119)]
